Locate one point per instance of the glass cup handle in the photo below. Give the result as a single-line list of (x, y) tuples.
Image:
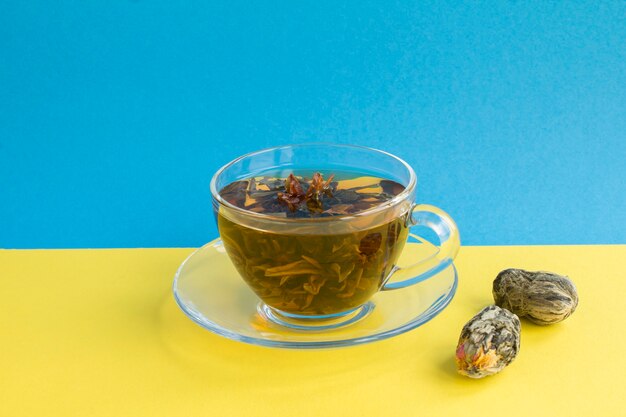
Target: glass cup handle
[(442, 224)]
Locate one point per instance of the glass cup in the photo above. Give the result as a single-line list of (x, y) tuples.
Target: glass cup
[(312, 269)]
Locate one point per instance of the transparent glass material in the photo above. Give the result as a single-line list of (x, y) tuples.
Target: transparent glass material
[(209, 290), (425, 278)]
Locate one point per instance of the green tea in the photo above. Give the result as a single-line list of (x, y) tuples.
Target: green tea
[(313, 274)]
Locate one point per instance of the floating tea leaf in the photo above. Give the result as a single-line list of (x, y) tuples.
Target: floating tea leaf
[(235, 193)]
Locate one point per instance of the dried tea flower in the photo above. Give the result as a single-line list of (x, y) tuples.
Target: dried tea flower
[(293, 195), (489, 342), (541, 297), (316, 190)]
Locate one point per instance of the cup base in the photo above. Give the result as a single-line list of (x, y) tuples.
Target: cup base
[(315, 323)]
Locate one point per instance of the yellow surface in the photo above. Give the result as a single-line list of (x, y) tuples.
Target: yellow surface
[(97, 333)]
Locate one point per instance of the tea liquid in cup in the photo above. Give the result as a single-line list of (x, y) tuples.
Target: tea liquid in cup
[(313, 274)]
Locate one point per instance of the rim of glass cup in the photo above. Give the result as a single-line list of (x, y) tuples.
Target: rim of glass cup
[(376, 209)]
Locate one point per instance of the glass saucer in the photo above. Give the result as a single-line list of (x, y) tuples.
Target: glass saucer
[(209, 290)]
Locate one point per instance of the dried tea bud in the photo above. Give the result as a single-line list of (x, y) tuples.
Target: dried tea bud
[(488, 342), (541, 297)]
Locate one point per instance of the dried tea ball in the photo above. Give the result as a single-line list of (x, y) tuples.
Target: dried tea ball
[(541, 297), (489, 342)]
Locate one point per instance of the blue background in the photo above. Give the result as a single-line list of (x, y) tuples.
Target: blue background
[(114, 115)]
